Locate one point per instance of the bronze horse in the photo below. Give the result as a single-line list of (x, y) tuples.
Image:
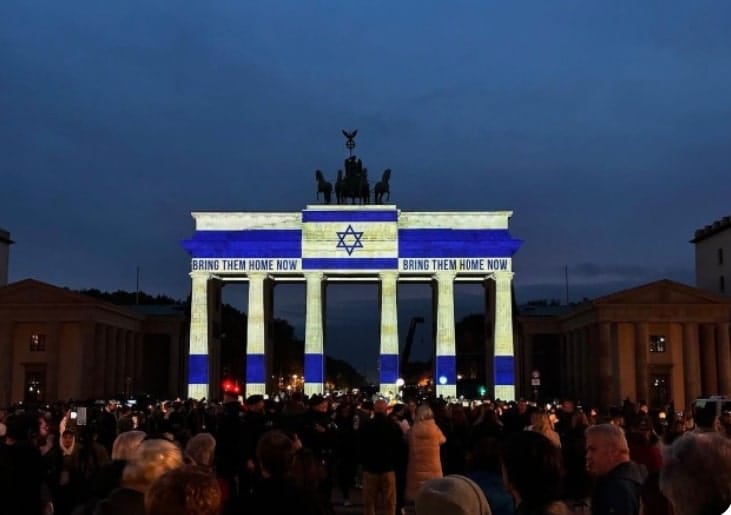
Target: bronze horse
[(381, 188), (323, 187), (354, 187)]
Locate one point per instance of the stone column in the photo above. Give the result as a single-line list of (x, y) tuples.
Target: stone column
[(256, 336), (389, 334), (709, 357), (314, 344), (121, 359), (88, 359), (110, 343), (100, 359), (489, 348), (446, 355), (139, 378), (724, 359), (6, 364), (691, 362), (198, 375), (606, 392), (504, 356), (642, 344), (129, 363), (53, 360)]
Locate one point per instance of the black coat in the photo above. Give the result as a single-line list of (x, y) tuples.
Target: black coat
[(381, 440), (619, 490)]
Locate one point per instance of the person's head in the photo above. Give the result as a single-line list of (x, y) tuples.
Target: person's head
[(67, 439), (275, 453), (255, 403), (532, 467), (540, 421), (606, 447), (522, 406), (380, 407), (186, 490), (579, 420), (149, 461), (201, 450), (568, 406), (126, 443), (485, 455), (424, 412), (318, 404), (456, 495), (696, 474)]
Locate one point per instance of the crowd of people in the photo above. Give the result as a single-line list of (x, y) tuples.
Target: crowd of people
[(422, 457)]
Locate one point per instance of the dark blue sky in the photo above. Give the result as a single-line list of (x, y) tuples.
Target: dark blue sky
[(606, 128)]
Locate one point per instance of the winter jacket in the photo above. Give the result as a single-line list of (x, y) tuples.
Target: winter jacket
[(424, 461), (618, 492)]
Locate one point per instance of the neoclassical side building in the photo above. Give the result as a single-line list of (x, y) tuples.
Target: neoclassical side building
[(658, 342), (59, 344)]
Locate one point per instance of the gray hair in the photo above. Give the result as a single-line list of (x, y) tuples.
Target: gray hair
[(696, 473), (126, 444), (200, 449), (424, 412), (612, 434), (151, 460)]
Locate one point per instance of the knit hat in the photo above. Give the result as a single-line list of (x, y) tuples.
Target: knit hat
[(456, 495)]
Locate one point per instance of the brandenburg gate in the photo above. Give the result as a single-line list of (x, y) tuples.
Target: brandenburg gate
[(377, 243)]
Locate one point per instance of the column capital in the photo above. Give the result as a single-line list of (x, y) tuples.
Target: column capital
[(505, 275), (445, 275), (388, 274), (314, 276), (199, 274), (257, 275)]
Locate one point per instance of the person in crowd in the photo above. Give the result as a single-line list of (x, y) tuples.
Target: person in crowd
[(109, 477), (618, 479), (644, 450), (398, 416), (320, 436), (725, 423), (541, 423), (696, 474), (200, 451), (577, 481), (453, 495), (456, 429), (704, 416), (107, 425), (21, 469), (187, 490), (346, 449), (517, 418), (532, 470), (150, 460), (485, 470), (425, 440), (380, 443), (278, 493)]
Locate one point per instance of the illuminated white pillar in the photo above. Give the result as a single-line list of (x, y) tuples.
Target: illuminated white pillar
[(256, 336), (504, 359), (446, 357), (198, 377), (389, 358), (314, 351)]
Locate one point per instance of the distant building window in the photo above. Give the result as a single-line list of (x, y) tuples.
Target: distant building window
[(37, 342), (720, 256), (722, 284), (657, 343)]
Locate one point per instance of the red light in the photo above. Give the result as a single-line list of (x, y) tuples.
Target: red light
[(227, 386)]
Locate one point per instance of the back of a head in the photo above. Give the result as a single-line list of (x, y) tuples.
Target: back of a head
[(704, 415), (533, 466), (126, 443), (453, 495), (696, 474), (201, 449), (424, 412), (275, 452), (186, 490), (149, 461)]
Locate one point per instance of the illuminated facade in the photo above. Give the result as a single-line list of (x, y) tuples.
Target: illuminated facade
[(322, 244), (659, 342), (59, 344), (713, 256)]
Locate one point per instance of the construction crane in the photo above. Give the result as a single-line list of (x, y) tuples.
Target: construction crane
[(405, 355)]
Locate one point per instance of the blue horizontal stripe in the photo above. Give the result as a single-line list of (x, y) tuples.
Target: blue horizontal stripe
[(255, 368), (314, 368), (389, 368), (504, 370), (198, 369), (265, 243), (426, 243), (447, 367), (349, 264), (350, 216)]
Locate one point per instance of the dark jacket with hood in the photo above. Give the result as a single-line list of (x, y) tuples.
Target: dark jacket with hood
[(618, 492)]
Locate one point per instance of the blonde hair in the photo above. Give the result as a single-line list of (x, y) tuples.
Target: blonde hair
[(151, 460), (126, 444), (540, 422)]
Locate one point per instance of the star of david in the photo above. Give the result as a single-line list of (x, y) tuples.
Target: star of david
[(356, 243)]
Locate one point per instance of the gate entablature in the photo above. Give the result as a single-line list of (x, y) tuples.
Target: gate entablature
[(347, 241)]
